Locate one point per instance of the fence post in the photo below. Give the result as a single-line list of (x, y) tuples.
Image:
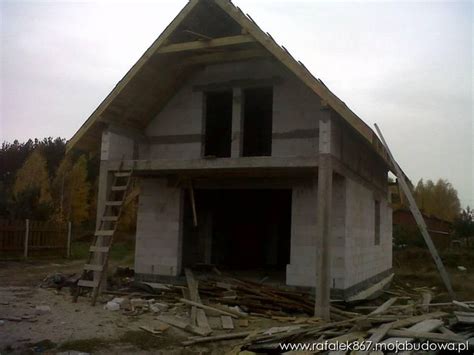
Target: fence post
[(27, 234), (69, 236)]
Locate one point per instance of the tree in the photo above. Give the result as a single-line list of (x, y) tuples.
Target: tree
[(464, 224), (33, 175), (31, 194), (72, 190), (439, 200)]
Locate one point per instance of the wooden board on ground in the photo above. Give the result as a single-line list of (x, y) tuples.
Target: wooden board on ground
[(227, 322), (372, 290), (384, 307)]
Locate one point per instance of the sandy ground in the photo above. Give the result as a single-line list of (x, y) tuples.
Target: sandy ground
[(79, 326)]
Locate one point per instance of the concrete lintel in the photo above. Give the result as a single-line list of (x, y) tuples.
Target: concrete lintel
[(217, 164)]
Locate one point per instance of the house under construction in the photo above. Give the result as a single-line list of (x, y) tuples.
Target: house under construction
[(244, 159)]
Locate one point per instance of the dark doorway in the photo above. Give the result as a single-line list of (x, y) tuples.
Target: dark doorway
[(257, 137), (218, 128), (239, 229)]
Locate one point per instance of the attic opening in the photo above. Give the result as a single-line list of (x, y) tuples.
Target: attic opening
[(238, 229), (218, 126), (257, 132)]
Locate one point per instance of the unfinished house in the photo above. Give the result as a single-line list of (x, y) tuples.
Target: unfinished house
[(244, 160)]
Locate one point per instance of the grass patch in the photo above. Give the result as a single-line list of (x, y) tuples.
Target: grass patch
[(84, 345), (121, 251)]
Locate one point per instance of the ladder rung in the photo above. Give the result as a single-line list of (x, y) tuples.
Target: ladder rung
[(119, 188), (113, 203), (123, 174), (110, 218), (93, 267), (95, 249), (88, 283), (104, 233)]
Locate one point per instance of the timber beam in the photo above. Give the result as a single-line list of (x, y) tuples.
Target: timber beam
[(227, 56), (206, 44)]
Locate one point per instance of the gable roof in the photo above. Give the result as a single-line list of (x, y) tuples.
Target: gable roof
[(175, 55)]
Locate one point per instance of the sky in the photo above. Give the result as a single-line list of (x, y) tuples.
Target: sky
[(405, 65)]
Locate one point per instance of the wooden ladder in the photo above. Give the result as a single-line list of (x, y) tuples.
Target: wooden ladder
[(104, 236)]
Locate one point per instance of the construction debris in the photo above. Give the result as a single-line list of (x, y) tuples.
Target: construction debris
[(215, 307)]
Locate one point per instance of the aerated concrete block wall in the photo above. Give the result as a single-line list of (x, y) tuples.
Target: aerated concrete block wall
[(302, 268), (364, 258), (177, 131), (159, 229)]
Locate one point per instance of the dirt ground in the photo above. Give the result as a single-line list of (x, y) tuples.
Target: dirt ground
[(79, 326), (71, 326)]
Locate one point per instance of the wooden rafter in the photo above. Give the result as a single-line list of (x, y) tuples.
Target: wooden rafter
[(206, 44)]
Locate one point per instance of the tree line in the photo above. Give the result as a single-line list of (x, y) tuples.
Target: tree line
[(40, 182)]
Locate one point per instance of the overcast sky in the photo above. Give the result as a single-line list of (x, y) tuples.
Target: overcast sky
[(405, 65)]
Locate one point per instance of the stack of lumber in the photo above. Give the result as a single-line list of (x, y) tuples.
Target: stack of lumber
[(264, 300), (389, 322)]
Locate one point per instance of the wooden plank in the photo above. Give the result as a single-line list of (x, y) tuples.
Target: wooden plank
[(93, 267), (87, 283), (426, 300), (208, 308), (69, 239), (427, 325), (217, 338), (105, 233), (96, 249), (402, 323), (465, 317), (27, 236), (377, 335), (193, 204), (227, 56), (418, 218), (122, 174), (227, 322), (198, 316), (410, 335), (178, 323), (365, 294), (384, 307), (119, 188), (109, 218), (206, 44), (464, 305)]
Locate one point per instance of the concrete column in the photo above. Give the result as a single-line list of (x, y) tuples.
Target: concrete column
[(237, 123), (323, 227)]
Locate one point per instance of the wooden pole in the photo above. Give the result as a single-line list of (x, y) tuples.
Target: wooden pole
[(27, 235), (419, 219), (69, 236), (193, 204)]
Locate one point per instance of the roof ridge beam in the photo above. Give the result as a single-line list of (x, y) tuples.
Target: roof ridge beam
[(205, 44)]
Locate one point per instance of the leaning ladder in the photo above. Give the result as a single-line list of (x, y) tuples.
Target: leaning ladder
[(95, 269)]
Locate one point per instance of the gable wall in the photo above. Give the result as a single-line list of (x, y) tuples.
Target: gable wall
[(177, 131)]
